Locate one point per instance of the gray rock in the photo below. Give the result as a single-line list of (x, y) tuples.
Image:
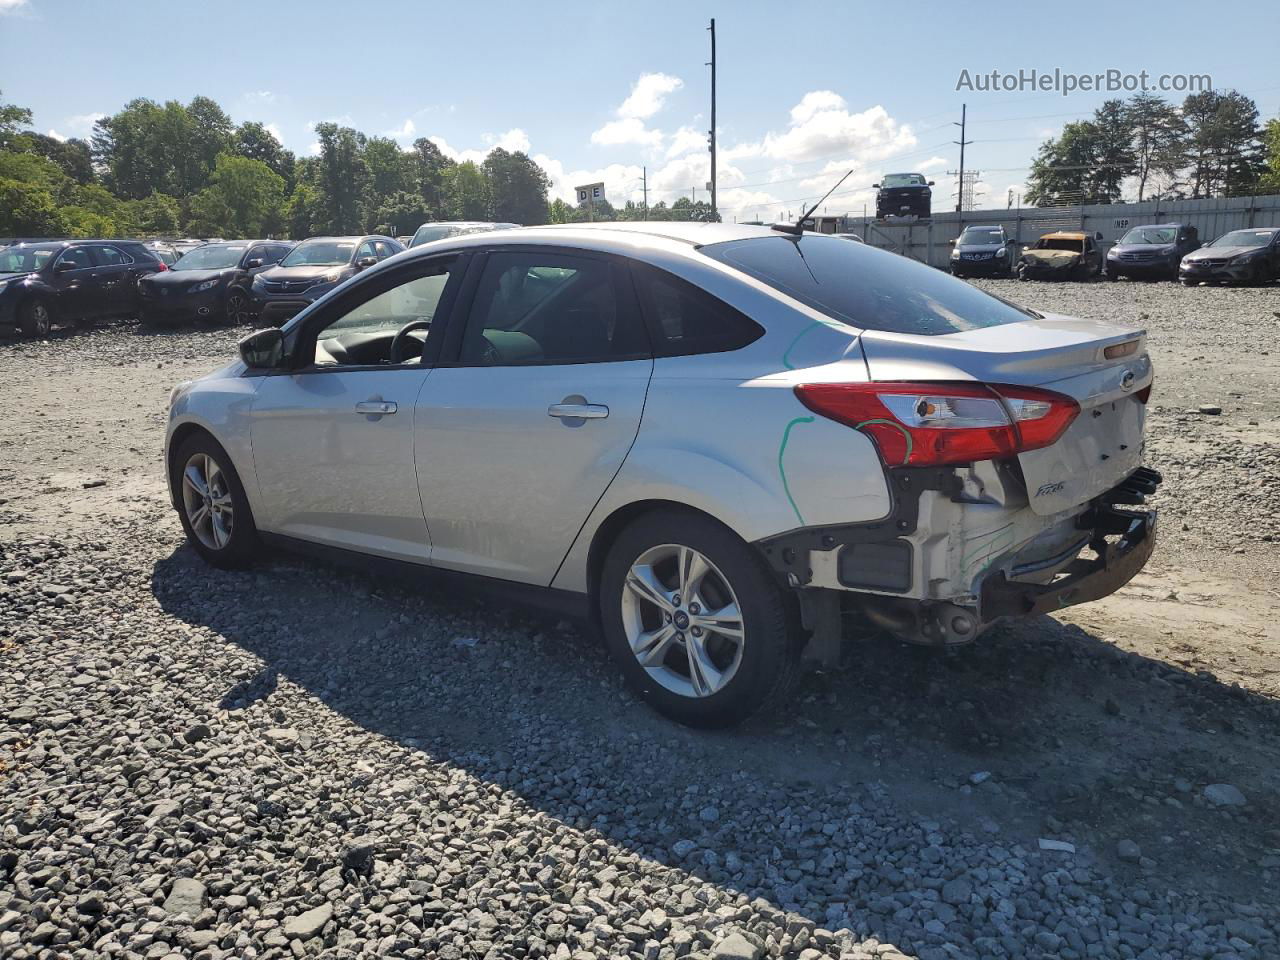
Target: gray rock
[(1224, 795), (309, 924), (1128, 851), (957, 891), (709, 814), (196, 733), (736, 947), (185, 896)]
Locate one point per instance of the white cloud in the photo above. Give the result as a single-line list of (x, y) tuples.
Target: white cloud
[(514, 140), (648, 94), (686, 140), (81, 124), (404, 132), (12, 6), (628, 130), (274, 130), (260, 96), (56, 135)]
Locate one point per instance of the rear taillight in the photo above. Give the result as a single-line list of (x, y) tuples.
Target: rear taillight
[(927, 424), (161, 267)]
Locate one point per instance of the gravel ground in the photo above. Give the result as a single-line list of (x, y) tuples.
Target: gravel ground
[(303, 761)]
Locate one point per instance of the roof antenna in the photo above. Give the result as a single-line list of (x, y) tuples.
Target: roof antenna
[(797, 228)]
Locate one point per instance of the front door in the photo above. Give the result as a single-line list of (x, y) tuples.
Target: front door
[(333, 438), (75, 277), (519, 434)]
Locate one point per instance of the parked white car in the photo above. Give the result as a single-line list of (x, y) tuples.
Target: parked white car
[(709, 439)]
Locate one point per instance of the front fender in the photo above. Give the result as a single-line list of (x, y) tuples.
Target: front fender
[(220, 405)]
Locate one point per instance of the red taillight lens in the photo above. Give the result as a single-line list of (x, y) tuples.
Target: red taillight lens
[(162, 268), (927, 424)]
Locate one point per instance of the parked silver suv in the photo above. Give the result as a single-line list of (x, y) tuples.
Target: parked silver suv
[(711, 440)]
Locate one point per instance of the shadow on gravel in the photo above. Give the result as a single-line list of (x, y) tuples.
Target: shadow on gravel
[(1039, 730)]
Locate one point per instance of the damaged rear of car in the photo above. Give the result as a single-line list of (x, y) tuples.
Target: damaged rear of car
[(1011, 444)]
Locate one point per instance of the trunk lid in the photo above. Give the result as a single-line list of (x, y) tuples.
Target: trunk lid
[(1104, 443)]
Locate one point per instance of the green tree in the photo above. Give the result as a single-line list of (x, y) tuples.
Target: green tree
[(156, 215), (517, 187), (430, 169), (302, 211), (244, 199), (71, 156), (1224, 143), (1158, 136), (341, 179), (467, 193), (28, 210), (254, 141), (12, 119), (401, 214), (1271, 139), (1063, 171), (1113, 156)]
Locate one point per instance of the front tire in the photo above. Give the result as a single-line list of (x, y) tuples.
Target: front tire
[(36, 318), (695, 620), (212, 505), (237, 309)]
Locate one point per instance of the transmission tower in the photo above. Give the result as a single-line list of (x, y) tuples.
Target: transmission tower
[(967, 192)]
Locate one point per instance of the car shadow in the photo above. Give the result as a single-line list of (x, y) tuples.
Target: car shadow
[(1040, 730)]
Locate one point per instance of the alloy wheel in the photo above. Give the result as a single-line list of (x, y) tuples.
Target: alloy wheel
[(206, 498), (41, 323), (682, 620), (237, 309)]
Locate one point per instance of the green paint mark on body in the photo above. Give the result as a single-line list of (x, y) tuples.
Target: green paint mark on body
[(782, 470)]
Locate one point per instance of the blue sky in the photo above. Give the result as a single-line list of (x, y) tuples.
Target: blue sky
[(595, 91)]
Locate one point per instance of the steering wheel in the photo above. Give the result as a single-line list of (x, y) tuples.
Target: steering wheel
[(402, 335)]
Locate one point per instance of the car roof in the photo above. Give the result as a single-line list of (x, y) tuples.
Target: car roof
[(1065, 235), (354, 238)]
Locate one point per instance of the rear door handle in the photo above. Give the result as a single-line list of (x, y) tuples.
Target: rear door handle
[(376, 408), (578, 411)]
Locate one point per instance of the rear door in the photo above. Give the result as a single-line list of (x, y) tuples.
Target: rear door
[(519, 434), (115, 279), (75, 277)]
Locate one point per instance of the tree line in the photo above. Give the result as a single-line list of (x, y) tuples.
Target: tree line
[(177, 169), (1210, 145)]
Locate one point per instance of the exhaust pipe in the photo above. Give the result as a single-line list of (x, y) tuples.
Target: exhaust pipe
[(928, 624)]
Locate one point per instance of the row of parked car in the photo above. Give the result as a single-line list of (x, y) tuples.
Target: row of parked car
[(1169, 251), (43, 282)]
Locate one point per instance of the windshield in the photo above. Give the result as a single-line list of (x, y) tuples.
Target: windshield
[(864, 287), (1060, 243), (982, 235), (320, 253), (213, 256), (1244, 238), (25, 259), (1151, 235), (903, 180)]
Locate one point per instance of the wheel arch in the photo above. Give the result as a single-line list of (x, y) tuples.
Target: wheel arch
[(182, 433)]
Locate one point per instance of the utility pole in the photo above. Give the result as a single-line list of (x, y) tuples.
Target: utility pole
[(963, 143), (644, 179), (712, 28)]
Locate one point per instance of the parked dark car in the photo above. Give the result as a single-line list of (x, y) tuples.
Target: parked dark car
[(312, 269), (1151, 252), (983, 251), (904, 195), (1062, 255), (1241, 256), (48, 282), (441, 229), (210, 282)]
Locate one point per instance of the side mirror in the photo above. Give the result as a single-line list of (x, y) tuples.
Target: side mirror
[(64, 266), (951, 243), (366, 262), (253, 264), (875, 186), (263, 349), (931, 183), (1097, 235)]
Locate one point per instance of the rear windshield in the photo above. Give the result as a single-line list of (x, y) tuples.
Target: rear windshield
[(864, 287)]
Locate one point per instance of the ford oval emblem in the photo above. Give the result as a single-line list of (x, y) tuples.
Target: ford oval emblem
[(1127, 380)]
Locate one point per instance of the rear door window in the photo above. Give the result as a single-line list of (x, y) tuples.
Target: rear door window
[(685, 320), (110, 256), (864, 287)]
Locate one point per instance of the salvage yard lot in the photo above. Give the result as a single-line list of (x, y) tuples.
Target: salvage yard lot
[(346, 766)]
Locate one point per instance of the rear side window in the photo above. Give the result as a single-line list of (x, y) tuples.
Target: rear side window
[(685, 320), (864, 287), (384, 249), (111, 257)]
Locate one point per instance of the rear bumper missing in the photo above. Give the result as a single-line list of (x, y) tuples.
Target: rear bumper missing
[(1113, 565)]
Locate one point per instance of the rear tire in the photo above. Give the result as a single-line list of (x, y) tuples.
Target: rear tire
[(212, 505), (675, 588), (36, 317)]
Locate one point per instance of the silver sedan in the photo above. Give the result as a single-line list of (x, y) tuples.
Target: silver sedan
[(713, 442)]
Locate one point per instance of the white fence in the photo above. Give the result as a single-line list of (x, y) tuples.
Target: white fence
[(927, 241)]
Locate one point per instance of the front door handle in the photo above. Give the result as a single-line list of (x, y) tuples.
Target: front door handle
[(376, 408), (578, 411)]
